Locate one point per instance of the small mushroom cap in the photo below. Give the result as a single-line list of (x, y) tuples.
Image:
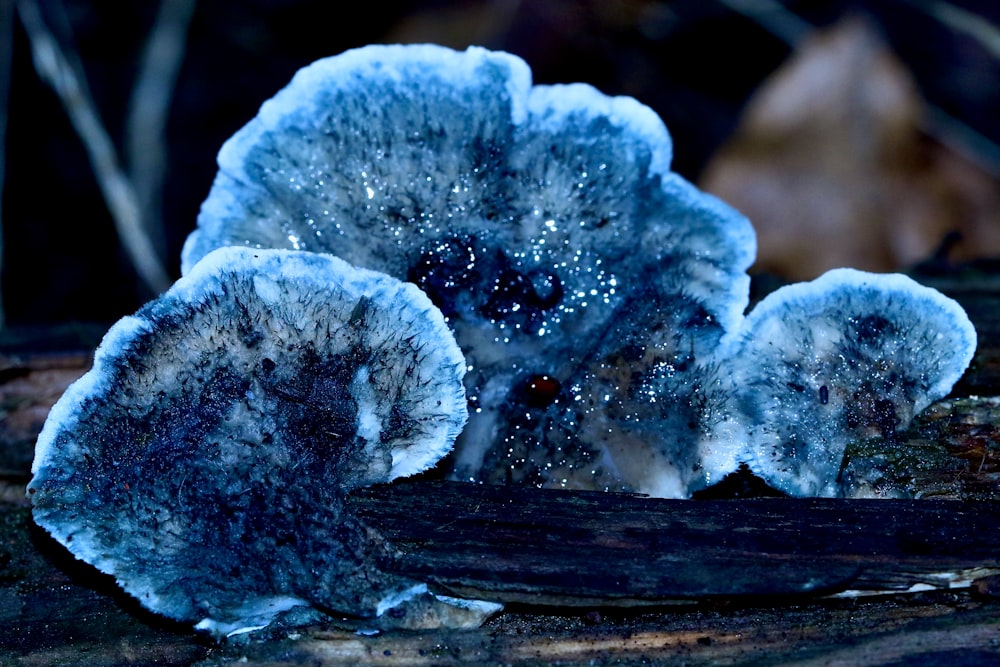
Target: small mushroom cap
[(843, 358), (530, 215), (203, 460)]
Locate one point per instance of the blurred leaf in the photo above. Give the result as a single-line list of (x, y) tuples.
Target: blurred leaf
[(832, 166)]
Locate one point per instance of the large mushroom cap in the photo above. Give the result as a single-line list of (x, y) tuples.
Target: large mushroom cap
[(531, 215), (203, 459)]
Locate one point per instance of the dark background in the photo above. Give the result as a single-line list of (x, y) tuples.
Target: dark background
[(694, 62)]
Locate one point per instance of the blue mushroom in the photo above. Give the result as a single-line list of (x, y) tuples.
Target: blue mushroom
[(204, 459), (573, 317), (543, 221), (597, 296)]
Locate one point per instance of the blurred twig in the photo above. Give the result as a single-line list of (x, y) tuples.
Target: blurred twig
[(969, 23), (6, 58), (62, 71), (145, 127), (773, 17), (789, 27)]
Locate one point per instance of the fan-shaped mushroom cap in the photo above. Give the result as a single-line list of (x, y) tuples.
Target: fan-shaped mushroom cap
[(818, 365), (203, 460), (529, 214)]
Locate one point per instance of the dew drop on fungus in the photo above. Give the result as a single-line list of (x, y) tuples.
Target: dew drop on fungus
[(542, 390)]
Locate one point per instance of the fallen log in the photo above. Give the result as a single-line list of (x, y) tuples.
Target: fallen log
[(579, 548)]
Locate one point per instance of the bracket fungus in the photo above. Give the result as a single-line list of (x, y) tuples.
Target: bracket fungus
[(204, 459), (538, 218), (597, 296), (596, 300), (819, 365)]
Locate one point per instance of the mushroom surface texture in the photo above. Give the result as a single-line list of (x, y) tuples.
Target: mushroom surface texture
[(204, 459), (819, 365), (598, 297)]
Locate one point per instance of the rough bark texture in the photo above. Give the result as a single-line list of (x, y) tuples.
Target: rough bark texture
[(532, 546)]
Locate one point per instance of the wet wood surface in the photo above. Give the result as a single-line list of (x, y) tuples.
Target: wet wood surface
[(535, 546), (716, 581)]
